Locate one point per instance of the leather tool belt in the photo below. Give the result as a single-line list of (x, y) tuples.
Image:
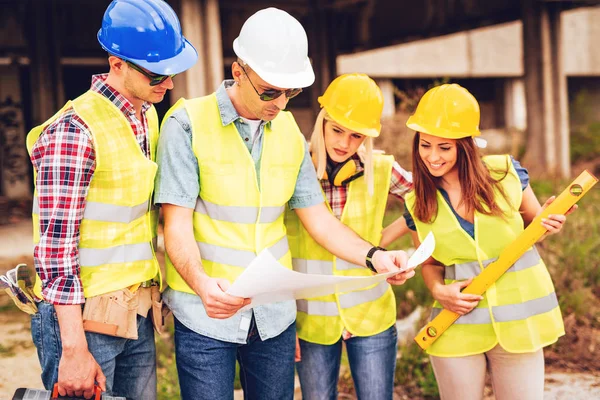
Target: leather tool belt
[(115, 313)]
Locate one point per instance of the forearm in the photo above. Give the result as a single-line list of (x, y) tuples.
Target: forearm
[(530, 206), (344, 243), (433, 276), (70, 321), (61, 204), (334, 236), (393, 231)]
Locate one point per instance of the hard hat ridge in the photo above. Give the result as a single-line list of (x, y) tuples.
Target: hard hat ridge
[(146, 33), (274, 44)]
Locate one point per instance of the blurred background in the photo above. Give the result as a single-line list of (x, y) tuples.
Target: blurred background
[(533, 65)]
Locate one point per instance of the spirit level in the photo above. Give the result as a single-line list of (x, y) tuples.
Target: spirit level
[(571, 195)]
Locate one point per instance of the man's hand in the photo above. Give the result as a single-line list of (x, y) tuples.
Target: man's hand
[(77, 373), (387, 261), (217, 303)]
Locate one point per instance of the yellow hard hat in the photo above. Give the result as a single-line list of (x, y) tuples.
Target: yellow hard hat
[(448, 111), (355, 102)]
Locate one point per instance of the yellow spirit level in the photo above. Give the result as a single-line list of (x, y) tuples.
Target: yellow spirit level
[(576, 190)]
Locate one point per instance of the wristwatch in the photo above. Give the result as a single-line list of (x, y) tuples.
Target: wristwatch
[(370, 257)]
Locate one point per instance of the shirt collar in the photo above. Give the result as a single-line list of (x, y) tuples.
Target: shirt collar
[(100, 86), (226, 108)]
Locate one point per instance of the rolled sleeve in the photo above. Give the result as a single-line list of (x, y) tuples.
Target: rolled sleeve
[(400, 181), (308, 190), (177, 179), (521, 172)]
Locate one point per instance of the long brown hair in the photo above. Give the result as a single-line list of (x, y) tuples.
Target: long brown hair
[(476, 181)]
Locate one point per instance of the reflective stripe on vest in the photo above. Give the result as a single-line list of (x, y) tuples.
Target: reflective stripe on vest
[(112, 255), (106, 212), (508, 312), (238, 258), (238, 214), (348, 300), (471, 269), (322, 267)]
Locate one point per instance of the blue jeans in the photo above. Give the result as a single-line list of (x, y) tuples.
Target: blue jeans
[(129, 365), (206, 366), (372, 364)]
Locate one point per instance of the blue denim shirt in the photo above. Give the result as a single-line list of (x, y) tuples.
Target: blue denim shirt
[(178, 182)]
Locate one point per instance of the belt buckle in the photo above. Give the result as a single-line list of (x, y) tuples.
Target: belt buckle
[(148, 283)]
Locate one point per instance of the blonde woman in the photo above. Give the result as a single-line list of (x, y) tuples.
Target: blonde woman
[(356, 182)]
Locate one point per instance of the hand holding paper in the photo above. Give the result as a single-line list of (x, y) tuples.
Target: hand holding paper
[(267, 281), (216, 299)]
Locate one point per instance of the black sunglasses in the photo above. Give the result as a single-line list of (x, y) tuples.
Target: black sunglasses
[(155, 79), (272, 94)]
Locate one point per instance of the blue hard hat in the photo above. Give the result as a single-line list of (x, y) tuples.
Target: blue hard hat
[(147, 33)]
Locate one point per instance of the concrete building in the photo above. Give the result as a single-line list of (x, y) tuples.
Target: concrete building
[(490, 62), (48, 50)]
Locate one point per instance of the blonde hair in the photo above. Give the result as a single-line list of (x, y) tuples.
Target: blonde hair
[(317, 148)]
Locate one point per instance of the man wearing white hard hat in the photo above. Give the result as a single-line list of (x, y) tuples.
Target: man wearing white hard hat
[(228, 165)]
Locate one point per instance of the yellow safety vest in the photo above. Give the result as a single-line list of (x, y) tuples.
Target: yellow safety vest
[(234, 218), (119, 223), (363, 312), (520, 311)]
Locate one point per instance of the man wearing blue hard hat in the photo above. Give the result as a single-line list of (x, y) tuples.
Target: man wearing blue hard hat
[(94, 224), (229, 163)]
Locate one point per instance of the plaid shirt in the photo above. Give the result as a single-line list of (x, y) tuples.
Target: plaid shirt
[(400, 184), (65, 160)]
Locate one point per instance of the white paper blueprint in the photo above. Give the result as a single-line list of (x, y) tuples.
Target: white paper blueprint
[(265, 280)]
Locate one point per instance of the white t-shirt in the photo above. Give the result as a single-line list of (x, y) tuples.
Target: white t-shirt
[(254, 125)]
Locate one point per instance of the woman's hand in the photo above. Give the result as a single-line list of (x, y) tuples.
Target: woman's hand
[(451, 298), (554, 222)]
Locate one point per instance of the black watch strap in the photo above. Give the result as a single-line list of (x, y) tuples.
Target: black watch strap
[(370, 257)]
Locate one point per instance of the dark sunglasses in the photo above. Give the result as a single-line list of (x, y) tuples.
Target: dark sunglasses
[(272, 94), (155, 79)]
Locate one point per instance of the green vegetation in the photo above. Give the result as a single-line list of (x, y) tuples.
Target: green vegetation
[(585, 144), (573, 256), (168, 383)]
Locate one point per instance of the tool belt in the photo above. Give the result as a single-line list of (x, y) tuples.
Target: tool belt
[(115, 313)]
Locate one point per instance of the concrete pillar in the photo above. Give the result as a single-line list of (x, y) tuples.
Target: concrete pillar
[(389, 101), (561, 100), (321, 48), (214, 44), (44, 52), (201, 25), (515, 111), (14, 161), (546, 90)]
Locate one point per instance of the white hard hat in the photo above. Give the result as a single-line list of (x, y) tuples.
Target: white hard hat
[(274, 45)]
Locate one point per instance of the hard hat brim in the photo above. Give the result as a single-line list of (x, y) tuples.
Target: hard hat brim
[(184, 60), (353, 126), (438, 131), (284, 80)]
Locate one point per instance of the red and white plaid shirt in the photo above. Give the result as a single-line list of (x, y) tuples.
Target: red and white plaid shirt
[(400, 184), (65, 161)]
